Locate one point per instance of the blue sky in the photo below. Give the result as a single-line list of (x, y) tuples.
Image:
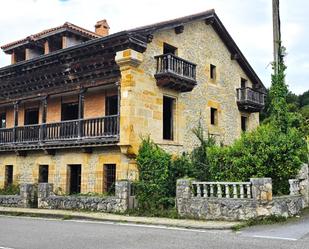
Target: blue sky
[(249, 22)]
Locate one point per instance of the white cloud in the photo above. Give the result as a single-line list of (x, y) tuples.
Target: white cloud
[(249, 23)]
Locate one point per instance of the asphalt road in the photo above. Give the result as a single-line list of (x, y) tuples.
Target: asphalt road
[(35, 233)]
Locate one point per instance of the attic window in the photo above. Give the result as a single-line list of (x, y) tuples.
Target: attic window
[(19, 55), (55, 44)]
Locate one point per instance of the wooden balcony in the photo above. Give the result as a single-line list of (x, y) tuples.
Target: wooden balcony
[(95, 131), (250, 100), (175, 73)]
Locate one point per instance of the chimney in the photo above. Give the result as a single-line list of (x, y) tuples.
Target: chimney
[(102, 28)]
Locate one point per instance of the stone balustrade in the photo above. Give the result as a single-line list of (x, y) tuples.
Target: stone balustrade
[(222, 189), (235, 200)]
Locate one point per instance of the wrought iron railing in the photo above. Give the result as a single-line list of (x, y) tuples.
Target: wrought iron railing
[(66, 130), (247, 94), (169, 63)]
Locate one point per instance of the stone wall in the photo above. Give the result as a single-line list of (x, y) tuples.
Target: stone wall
[(118, 203), (25, 199), (10, 201), (261, 204), (26, 169)]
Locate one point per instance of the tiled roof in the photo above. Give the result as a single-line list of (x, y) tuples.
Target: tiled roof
[(67, 25)]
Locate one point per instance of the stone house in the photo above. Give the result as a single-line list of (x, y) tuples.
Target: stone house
[(75, 103)]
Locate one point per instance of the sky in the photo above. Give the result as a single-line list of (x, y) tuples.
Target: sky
[(248, 21)]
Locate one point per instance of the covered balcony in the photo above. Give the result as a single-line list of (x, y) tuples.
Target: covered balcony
[(175, 73), (250, 100), (84, 118)]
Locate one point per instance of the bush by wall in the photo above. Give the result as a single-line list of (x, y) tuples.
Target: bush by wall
[(265, 152)]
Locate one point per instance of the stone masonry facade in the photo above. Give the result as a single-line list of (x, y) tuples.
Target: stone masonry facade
[(141, 111)]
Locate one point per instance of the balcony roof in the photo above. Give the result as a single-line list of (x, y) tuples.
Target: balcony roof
[(66, 27)]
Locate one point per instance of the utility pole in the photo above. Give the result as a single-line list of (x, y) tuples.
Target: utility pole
[(276, 35)]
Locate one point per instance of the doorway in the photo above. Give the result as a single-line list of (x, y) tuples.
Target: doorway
[(74, 178)]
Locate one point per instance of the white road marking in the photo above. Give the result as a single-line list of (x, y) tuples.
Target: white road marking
[(1, 247), (273, 237)]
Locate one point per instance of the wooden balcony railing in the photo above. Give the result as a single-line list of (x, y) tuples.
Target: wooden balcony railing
[(250, 99), (172, 63), (175, 72), (102, 127)]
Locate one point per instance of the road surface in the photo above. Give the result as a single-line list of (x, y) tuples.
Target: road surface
[(39, 233)]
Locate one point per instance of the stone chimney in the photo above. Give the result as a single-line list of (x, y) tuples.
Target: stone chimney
[(102, 28)]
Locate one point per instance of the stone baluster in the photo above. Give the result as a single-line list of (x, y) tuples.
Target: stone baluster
[(234, 191), (211, 190), (242, 191), (198, 190), (227, 191), (248, 191), (294, 186), (205, 190), (219, 191)]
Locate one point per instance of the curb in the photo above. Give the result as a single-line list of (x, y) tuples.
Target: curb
[(72, 216)]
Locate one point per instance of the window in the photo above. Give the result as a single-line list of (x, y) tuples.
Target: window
[(31, 116), (74, 178), (168, 118), (169, 49), (43, 174), (2, 120), (244, 121), (212, 72), (8, 175), (109, 178), (20, 55), (69, 111), (111, 105), (213, 116), (55, 44), (243, 83)]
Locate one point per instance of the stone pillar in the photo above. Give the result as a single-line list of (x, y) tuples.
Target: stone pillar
[(44, 191), (28, 195), (183, 196), (303, 177), (262, 189), (129, 61), (122, 192), (183, 189)]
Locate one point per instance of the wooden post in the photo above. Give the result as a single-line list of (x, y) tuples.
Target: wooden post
[(276, 35), (81, 97), (118, 109), (16, 105), (44, 113)]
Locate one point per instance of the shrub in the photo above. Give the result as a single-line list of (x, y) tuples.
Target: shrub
[(10, 190), (265, 152), (158, 174), (153, 164)]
